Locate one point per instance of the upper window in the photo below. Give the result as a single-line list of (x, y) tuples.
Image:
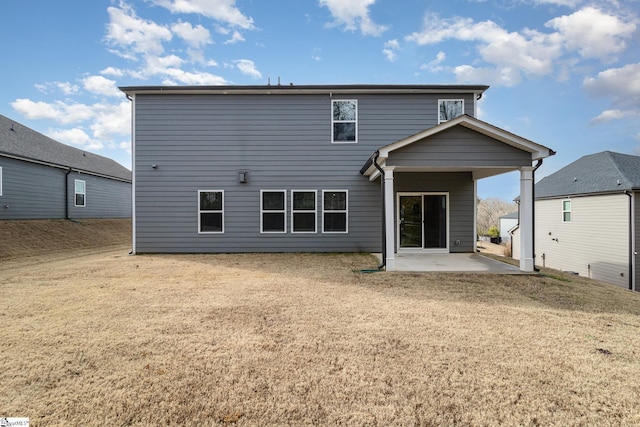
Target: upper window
[(273, 208), (566, 211), (303, 211), (211, 211), (335, 211), (80, 193), (449, 109), (344, 121)]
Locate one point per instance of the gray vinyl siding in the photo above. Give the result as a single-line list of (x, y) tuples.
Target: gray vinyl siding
[(461, 207), (105, 198), (594, 244), (36, 191), (459, 147), (201, 142), (31, 191)]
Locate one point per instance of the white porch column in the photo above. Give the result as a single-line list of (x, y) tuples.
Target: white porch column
[(526, 219), (389, 226)]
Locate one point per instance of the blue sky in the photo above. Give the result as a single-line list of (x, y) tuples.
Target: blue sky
[(563, 73)]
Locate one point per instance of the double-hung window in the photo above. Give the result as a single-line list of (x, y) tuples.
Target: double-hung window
[(303, 211), (449, 109), (211, 211), (344, 121), (80, 193), (335, 211), (566, 211), (273, 211)]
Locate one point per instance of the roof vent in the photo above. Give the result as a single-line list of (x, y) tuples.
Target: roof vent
[(619, 182), (12, 129), (575, 179)]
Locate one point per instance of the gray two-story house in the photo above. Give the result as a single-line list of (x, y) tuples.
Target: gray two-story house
[(376, 168)]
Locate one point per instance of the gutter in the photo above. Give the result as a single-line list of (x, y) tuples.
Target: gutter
[(630, 194), (373, 160), (66, 194), (533, 209)]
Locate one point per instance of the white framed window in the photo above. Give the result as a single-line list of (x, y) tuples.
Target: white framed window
[(449, 109), (303, 211), (335, 211), (566, 211), (210, 211), (344, 121), (80, 198), (273, 211)]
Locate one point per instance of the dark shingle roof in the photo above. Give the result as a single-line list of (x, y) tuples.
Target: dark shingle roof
[(512, 215), (22, 142), (596, 173)]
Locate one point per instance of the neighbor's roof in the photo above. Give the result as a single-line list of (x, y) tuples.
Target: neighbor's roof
[(23, 143), (292, 89), (512, 215), (604, 172)]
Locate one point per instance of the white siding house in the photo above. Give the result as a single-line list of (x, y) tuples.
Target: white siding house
[(587, 220)]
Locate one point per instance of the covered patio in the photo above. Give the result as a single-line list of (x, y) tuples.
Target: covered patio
[(429, 194)]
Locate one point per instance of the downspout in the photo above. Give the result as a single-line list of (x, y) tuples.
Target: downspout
[(66, 194), (384, 218), (533, 212), (628, 193)]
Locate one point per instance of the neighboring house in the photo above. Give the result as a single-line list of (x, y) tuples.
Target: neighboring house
[(44, 179), (376, 168), (507, 223), (588, 218)]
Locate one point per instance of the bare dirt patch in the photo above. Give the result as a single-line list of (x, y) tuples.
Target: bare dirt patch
[(303, 339)]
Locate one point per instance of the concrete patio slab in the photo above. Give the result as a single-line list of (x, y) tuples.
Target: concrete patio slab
[(452, 263)]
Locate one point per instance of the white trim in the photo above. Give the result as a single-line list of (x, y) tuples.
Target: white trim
[(0, 180), (200, 211), (389, 227), (422, 194), (451, 100), (475, 215), (526, 219), (566, 211), (355, 101), (282, 211), (76, 192), (133, 176), (632, 236), (345, 211), (314, 212)]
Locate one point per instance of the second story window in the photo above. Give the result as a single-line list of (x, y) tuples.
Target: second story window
[(80, 193), (449, 109), (566, 211), (344, 121)]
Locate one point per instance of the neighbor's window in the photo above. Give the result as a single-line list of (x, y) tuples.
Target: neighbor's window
[(566, 211), (303, 211), (273, 208), (80, 191), (344, 121), (449, 109), (211, 211), (335, 211)]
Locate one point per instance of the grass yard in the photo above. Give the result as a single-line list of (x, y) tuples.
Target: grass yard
[(98, 337)]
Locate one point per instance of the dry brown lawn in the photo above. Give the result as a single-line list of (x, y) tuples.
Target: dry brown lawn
[(98, 337)]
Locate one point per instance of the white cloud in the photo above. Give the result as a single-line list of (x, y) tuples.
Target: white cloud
[(132, 35), (58, 111), (620, 84), (77, 137), (112, 71), (246, 66), (236, 37), (434, 66), (221, 10), (196, 37), (511, 56), (354, 15), (390, 49), (593, 33), (101, 86)]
